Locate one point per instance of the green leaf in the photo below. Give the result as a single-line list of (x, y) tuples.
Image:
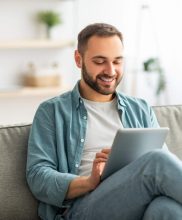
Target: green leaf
[(49, 18)]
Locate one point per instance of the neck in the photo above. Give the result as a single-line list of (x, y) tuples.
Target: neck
[(88, 93)]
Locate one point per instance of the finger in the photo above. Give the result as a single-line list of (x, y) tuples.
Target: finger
[(96, 167), (98, 160), (101, 155), (106, 150), (101, 167)]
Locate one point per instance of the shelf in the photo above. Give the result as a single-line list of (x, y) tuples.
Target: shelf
[(35, 44), (32, 91), (19, 104)]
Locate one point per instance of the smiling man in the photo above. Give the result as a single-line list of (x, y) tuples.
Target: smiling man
[(71, 137), (102, 67)]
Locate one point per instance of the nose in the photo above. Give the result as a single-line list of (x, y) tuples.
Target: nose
[(110, 69)]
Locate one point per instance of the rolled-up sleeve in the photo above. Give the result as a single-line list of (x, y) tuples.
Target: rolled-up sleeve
[(46, 181)]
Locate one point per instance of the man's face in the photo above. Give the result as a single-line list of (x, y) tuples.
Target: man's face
[(103, 83), (102, 64)]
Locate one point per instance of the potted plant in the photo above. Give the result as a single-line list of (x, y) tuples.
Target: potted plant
[(50, 19), (153, 65)]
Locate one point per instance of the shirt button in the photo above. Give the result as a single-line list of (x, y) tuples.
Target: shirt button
[(85, 117), (82, 140), (76, 165)]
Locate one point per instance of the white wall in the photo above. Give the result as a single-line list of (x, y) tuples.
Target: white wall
[(146, 33)]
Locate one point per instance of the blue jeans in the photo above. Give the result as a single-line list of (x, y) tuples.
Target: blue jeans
[(149, 188)]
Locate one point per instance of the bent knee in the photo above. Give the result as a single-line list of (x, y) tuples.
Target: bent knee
[(163, 207), (161, 155)]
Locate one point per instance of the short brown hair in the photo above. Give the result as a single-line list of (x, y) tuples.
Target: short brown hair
[(97, 29)]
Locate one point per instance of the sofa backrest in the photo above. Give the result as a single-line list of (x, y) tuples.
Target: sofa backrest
[(171, 116), (16, 201)]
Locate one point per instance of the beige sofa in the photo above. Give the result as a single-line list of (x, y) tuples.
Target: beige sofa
[(16, 201)]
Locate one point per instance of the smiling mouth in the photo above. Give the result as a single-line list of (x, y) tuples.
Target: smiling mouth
[(106, 79)]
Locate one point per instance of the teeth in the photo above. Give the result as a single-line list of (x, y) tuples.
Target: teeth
[(106, 79)]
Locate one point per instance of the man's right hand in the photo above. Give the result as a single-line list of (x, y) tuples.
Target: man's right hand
[(83, 184), (98, 166)]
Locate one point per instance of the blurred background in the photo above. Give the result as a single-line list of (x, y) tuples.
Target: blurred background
[(38, 39)]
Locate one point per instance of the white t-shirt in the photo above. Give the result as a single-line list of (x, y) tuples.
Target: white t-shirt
[(103, 122)]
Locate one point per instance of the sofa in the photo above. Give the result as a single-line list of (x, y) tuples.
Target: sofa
[(16, 200)]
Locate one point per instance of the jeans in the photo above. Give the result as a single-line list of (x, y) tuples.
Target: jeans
[(149, 188)]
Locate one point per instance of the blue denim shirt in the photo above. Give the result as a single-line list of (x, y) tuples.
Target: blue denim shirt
[(56, 143)]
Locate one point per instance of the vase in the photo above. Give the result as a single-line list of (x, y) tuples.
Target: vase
[(48, 32)]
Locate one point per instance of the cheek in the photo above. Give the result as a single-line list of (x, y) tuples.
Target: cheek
[(94, 70), (120, 70)]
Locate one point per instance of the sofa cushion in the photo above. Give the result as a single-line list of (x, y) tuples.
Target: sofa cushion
[(171, 116), (16, 201)]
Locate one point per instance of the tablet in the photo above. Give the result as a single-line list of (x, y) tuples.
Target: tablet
[(131, 143)]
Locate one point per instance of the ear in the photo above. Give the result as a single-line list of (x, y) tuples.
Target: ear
[(78, 59)]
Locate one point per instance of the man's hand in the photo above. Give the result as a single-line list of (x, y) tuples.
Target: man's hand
[(83, 184), (98, 167)]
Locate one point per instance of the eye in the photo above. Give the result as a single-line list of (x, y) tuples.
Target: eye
[(118, 61), (99, 61)]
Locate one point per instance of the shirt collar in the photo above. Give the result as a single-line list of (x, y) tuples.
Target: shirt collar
[(77, 100), (121, 100)]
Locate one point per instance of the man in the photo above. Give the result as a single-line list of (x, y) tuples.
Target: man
[(71, 137)]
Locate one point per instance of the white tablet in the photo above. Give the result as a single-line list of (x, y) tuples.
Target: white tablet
[(131, 143)]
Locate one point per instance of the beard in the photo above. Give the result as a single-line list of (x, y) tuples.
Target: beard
[(94, 84)]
